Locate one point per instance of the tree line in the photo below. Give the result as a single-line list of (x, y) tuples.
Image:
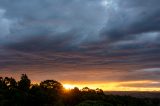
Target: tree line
[(52, 93)]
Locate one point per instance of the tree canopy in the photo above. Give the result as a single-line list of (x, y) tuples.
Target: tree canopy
[(52, 93)]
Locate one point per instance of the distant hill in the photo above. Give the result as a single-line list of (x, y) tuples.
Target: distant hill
[(138, 94)]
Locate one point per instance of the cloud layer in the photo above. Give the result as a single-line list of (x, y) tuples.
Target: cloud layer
[(80, 36)]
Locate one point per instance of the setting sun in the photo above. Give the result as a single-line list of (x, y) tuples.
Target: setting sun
[(68, 86)]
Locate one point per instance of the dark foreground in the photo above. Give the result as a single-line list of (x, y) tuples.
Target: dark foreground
[(52, 93)]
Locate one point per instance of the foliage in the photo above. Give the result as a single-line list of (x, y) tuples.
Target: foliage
[(52, 93)]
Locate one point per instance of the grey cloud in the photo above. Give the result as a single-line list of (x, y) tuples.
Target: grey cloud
[(81, 34), (4, 24), (132, 17), (54, 16)]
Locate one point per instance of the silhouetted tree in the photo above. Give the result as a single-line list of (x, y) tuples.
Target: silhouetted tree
[(53, 89), (25, 83), (99, 91), (51, 84), (11, 83), (85, 89)]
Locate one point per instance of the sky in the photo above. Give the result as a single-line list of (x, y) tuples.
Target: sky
[(110, 44)]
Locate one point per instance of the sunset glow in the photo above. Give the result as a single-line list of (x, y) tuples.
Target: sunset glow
[(114, 86)]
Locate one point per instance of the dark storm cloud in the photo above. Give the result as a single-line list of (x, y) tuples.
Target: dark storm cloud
[(108, 35), (134, 17)]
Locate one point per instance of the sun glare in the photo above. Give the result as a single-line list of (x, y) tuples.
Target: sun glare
[(68, 86)]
